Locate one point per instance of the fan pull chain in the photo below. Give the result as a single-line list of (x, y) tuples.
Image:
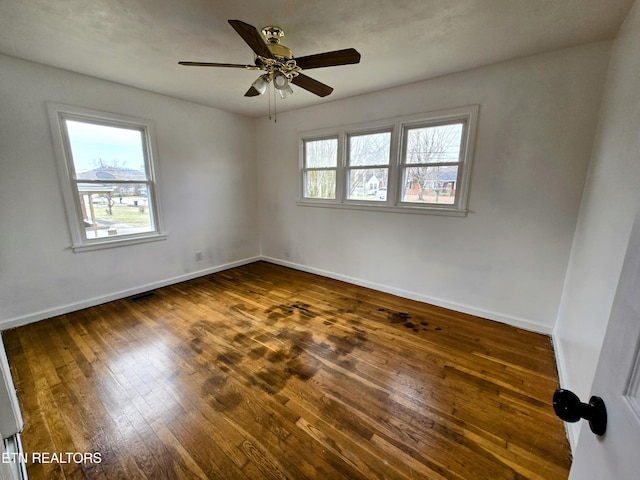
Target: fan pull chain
[(275, 109)]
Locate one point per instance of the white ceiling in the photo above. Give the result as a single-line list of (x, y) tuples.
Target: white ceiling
[(139, 42)]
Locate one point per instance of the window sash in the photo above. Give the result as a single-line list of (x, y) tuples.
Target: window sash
[(352, 135), (407, 129), (349, 173), (306, 142), (90, 234), (442, 191), (332, 186)]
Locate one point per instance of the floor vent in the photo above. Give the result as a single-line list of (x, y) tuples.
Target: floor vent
[(142, 296)]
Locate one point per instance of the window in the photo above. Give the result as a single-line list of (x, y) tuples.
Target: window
[(431, 161), (106, 168), (368, 165), (418, 164), (320, 166)]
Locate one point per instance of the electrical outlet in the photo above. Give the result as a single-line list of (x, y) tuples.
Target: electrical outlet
[(198, 256)]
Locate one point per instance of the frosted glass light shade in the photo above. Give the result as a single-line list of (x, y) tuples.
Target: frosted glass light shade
[(261, 84)]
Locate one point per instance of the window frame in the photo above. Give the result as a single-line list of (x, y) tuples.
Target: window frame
[(58, 114), (404, 165), (468, 115), (348, 167), (304, 169)]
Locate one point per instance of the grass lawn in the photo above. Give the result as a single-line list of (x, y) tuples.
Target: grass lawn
[(124, 214)]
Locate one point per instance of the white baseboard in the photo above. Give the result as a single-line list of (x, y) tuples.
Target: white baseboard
[(92, 302), (458, 307), (62, 309)]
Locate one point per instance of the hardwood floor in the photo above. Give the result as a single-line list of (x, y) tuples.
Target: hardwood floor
[(266, 372)]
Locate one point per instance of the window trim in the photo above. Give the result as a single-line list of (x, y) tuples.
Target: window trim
[(398, 126), (348, 167), (304, 169), (58, 113)]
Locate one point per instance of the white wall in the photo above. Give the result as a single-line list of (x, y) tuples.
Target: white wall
[(207, 190), (506, 260), (611, 197)]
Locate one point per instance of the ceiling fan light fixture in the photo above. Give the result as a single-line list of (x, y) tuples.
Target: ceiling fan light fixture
[(280, 81), (261, 83), (285, 92)]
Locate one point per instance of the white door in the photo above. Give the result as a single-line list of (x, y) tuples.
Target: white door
[(616, 454), (6, 472), (10, 415)]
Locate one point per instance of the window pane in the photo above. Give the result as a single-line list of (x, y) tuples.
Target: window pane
[(368, 184), (320, 184), (370, 149), (115, 209), (430, 184), (321, 153), (435, 144), (102, 152)]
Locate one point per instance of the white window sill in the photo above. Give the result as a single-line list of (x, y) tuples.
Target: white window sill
[(117, 242), (421, 210)]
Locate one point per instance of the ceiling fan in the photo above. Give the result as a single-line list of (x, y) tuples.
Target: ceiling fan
[(279, 63)]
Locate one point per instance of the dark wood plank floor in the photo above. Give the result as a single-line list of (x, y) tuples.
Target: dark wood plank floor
[(266, 372)]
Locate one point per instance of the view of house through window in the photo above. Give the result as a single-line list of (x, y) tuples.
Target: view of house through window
[(431, 160), (110, 175), (368, 169)]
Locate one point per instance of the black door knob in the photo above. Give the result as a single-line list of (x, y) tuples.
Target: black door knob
[(569, 408)]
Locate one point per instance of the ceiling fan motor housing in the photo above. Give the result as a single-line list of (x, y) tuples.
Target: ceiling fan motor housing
[(280, 51), (273, 35)]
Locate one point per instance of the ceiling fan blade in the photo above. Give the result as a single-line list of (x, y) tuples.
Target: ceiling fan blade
[(252, 92), (252, 37), (329, 59), (313, 86), (208, 64)]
